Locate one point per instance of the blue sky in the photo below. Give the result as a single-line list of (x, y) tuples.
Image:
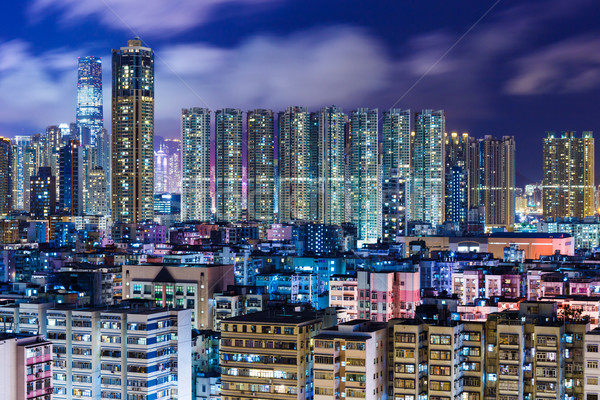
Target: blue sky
[(525, 68)]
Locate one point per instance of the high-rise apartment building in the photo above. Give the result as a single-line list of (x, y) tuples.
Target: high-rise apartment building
[(298, 146), (132, 169), (261, 168), (70, 201), (5, 176), (568, 183), (196, 200), (126, 353), (43, 194), (228, 172), (268, 355), (364, 173), (428, 168), (90, 115), (494, 180), (457, 160), (396, 151), (332, 164)]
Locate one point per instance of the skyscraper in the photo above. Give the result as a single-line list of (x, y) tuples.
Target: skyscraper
[(364, 173), (228, 173), (496, 179), (70, 179), (5, 176), (261, 168), (297, 159), (396, 153), (427, 191), (457, 159), (332, 165), (196, 201), (568, 183), (90, 118), (132, 133)]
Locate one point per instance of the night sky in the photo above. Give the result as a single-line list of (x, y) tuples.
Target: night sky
[(525, 68)]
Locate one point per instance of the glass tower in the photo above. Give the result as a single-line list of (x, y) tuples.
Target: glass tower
[(132, 169), (90, 118)]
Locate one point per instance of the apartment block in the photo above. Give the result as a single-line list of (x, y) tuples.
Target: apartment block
[(351, 361), (343, 292), (387, 295), (121, 353), (443, 361), (268, 355)]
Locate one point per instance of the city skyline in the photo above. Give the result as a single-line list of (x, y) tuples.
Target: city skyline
[(498, 75)]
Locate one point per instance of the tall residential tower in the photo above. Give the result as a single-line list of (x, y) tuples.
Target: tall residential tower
[(332, 165), (427, 191), (568, 185), (297, 165), (364, 173), (132, 171), (228, 173), (261, 168), (196, 201)]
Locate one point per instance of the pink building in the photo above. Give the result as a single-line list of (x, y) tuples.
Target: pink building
[(390, 294), (26, 367), (279, 232)]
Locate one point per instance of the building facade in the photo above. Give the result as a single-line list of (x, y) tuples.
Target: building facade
[(132, 169), (364, 174), (261, 165), (332, 165), (297, 165), (196, 199), (428, 168), (228, 172), (568, 183)]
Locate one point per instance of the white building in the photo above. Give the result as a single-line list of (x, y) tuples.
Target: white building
[(121, 353)]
